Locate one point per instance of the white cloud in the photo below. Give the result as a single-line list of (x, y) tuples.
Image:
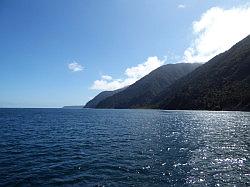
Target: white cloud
[(141, 70), (107, 77), (217, 30), (74, 66), (132, 75), (181, 6)]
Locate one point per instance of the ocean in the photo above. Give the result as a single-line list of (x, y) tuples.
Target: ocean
[(90, 147)]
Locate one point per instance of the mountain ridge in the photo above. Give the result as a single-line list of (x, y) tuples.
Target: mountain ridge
[(139, 94), (222, 83), (101, 96)]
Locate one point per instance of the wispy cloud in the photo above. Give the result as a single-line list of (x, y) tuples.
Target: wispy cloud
[(74, 67), (181, 6), (217, 30), (107, 77), (132, 75)]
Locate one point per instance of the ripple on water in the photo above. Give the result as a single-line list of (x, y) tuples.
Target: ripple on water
[(44, 147)]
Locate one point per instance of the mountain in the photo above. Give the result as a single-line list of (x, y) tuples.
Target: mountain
[(101, 96), (223, 83), (141, 93)]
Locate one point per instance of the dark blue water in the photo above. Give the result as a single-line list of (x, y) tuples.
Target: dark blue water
[(54, 147)]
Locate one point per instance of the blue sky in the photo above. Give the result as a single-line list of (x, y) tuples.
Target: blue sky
[(40, 39)]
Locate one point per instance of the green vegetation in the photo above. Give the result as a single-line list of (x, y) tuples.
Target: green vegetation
[(142, 92), (223, 83), (101, 96)]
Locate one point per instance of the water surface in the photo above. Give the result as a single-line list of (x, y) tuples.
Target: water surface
[(54, 147)]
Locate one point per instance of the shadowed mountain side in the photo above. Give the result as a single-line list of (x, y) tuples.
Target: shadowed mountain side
[(141, 93), (223, 83), (101, 96)]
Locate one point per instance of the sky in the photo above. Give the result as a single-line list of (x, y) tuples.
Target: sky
[(60, 52)]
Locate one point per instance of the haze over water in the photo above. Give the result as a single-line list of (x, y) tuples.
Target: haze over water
[(41, 147)]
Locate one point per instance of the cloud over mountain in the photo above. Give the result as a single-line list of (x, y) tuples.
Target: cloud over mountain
[(132, 75), (216, 31)]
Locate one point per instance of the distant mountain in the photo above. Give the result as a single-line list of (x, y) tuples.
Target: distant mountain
[(223, 83), (72, 107), (101, 96), (141, 93)]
